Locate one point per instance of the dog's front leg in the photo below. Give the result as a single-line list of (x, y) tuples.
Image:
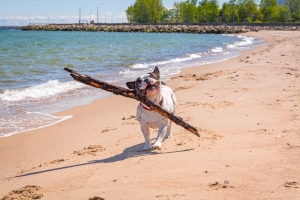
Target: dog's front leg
[(146, 133), (160, 137)]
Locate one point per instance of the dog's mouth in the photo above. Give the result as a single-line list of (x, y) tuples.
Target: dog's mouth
[(150, 88), (154, 86)]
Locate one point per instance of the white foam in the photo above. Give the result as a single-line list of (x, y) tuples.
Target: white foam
[(176, 63), (245, 41), (33, 121), (217, 50), (164, 62), (139, 66), (230, 46), (195, 55), (44, 90)]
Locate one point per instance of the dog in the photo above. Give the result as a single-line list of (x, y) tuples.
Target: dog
[(150, 86)]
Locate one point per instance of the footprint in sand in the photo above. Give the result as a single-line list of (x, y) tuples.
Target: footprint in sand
[(189, 104), (224, 104), (27, 192), (221, 104), (182, 88), (205, 135), (260, 131), (107, 130), (208, 134), (167, 196), (96, 198), (208, 106), (216, 185), (292, 184), (200, 77), (129, 120), (208, 76), (92, 150)]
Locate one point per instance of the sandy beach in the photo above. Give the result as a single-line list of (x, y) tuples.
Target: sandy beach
[(246, 110)]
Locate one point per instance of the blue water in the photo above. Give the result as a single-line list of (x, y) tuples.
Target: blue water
[(34, 86)]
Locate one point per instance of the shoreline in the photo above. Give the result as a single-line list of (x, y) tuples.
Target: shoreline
[(214, 55), (245, 108)]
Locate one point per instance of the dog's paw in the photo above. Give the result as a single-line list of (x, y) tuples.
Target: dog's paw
[(156, 147), (168, 136)]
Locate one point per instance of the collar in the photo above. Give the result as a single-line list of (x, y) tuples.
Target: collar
[(147, 108)]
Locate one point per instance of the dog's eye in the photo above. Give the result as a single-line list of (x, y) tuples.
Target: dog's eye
[(138, 83)]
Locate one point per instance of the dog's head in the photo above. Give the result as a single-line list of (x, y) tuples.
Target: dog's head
[(148, 84)]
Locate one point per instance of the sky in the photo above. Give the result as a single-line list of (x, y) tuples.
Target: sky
[(23, 12)]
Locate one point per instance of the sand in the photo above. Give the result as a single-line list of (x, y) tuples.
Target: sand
[(247, 110)]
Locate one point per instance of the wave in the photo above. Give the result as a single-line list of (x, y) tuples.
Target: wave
[(217, 50), (33, 121), (174, 60), (245, 41), (50, 88), (143, 66), (173, 66)]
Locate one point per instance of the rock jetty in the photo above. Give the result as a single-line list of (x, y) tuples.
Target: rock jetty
[(165, 28)]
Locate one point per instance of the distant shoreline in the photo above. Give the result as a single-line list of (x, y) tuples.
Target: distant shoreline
[(162, 28)]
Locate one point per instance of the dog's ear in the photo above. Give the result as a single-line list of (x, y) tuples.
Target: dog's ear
[(131, 85), (155, 74)]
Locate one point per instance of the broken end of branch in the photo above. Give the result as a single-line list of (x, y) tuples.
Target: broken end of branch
[(194, 131)]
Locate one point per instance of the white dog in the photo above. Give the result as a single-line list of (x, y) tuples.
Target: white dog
[(160, 94)]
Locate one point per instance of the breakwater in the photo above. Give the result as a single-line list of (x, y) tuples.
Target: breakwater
[(161, 28)]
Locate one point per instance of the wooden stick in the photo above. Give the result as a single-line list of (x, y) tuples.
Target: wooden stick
[(131, 94)]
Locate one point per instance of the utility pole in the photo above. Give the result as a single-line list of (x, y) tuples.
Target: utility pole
[(232, 11), (80, 13), (98, 11)]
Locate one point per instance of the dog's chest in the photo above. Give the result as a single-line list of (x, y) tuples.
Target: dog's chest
[(150, 117)]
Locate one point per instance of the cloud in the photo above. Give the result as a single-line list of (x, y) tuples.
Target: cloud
[(21, 20), (25, 20)]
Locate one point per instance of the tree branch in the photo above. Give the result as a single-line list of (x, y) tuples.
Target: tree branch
[(131, 94)]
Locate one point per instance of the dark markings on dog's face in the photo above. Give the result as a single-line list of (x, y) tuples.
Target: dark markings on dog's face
[(138, 82), (134, 84)]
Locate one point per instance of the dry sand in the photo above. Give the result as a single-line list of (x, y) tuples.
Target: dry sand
[(247, 110)]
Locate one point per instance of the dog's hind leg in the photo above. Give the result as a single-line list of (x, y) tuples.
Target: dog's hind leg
[(169, 131), (146, 133)]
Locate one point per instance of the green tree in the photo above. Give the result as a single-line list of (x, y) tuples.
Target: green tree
[(145, 11), (208, 11), (130, 14), (247, 10), (294, 9), (226, 14), (188, 11), (176, 11), (230, 12), (269, 10), (284, 14)]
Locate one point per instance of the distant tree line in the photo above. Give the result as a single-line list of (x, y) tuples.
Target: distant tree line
[(194, 11)]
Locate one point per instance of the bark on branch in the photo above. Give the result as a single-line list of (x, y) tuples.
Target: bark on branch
[(130, 94)]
